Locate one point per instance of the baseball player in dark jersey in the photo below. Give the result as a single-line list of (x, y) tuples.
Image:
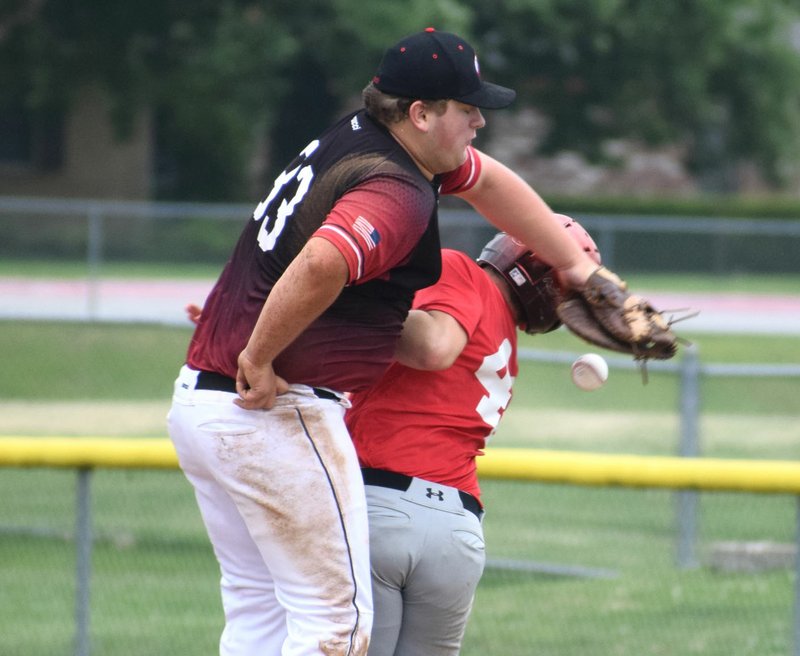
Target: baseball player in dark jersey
[(419, 429), (309, 306)]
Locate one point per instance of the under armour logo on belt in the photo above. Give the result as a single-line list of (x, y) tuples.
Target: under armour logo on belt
[(438, 494)]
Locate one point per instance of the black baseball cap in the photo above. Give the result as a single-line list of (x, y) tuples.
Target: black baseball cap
[(433, 65)]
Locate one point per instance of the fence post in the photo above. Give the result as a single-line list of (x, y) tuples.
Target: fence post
[(83, 566), (796, 623), (94, 256), (606, 241), (687, 500)]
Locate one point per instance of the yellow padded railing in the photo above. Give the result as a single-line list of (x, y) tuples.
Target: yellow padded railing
[(579, 468)]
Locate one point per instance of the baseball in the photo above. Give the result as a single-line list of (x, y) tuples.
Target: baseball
[(589, 372)]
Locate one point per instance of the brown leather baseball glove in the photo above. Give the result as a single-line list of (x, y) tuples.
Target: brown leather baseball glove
[(605, 314)]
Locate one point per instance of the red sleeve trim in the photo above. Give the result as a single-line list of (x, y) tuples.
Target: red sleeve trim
[(347, 246), (465, 176)]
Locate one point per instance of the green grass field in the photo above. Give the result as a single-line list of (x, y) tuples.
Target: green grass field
[(154, 582)]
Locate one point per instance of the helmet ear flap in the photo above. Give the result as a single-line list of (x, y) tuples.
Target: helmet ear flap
[(532, 282)]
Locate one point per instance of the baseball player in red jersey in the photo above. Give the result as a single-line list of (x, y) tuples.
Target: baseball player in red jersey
[(309, 306), (417, 434)]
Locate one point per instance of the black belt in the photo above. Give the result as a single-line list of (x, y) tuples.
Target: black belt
[(395, 481), (210, 380)]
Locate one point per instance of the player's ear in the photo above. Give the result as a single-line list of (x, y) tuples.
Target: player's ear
[(418, 114)]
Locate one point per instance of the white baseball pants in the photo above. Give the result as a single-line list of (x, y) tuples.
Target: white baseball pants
[(282, 498)]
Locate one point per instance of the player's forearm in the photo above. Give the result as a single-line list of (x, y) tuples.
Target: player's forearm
[(310, 284), (510, 204)]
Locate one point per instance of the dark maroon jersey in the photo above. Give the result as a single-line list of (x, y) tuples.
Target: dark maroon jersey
[(358, 188)]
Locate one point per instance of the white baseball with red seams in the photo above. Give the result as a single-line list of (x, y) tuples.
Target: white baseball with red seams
[(589, 372)]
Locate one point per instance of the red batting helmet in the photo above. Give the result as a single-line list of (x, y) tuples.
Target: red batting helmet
[(531, 280)]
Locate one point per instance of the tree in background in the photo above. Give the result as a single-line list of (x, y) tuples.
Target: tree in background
[(222, 76), (229, 80), (338, 46), (720, 78), (207, 69)]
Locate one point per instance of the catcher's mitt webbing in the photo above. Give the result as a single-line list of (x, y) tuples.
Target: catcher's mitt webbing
[(606, 315)]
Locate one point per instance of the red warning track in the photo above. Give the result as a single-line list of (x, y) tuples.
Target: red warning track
[(162, 301)]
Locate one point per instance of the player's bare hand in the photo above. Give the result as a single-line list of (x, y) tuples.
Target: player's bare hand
[(257, 385), (575, 276)]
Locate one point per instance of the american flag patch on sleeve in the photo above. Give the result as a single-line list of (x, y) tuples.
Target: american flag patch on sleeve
[(367, 232)]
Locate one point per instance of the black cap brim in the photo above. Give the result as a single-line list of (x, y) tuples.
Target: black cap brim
[(489, 96)]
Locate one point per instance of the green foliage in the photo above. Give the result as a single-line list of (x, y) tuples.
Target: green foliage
[(716, 77), (221, 77), (339, 45), (217, 97), (719, 79)]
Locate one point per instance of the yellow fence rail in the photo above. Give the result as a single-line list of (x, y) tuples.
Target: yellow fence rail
[(579, 468)]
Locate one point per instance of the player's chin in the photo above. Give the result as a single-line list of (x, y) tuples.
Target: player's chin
[(451, 162), (460, 158)]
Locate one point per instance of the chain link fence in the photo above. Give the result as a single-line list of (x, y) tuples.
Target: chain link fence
[(571, 569)]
